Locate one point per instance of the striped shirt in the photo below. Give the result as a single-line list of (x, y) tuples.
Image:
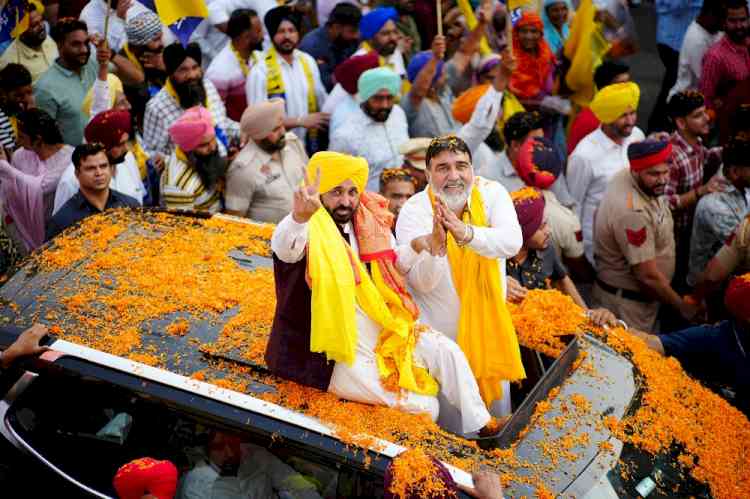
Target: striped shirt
[(183, 189), (7, 134)]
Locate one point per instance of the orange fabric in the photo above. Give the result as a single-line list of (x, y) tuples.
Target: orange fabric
[(532, 71), (372, 227), (464, 105)]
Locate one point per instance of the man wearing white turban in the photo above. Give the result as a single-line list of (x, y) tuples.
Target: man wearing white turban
[(263, 177), (378, 128)]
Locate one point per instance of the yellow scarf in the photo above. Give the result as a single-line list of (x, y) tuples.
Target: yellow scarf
[(339, 283), (141, 158), (275, 81), (485, 329), (240, 60), (131, 56)]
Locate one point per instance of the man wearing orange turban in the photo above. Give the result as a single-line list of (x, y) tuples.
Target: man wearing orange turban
[(334, 259), (716, 354)]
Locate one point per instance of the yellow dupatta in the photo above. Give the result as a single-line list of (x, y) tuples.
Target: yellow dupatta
[(275, 81), (485, 328), (340, 282)]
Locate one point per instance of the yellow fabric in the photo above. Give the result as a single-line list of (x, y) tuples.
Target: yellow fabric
[(511, 106), (336, 168), (340, 282), (584, 48), (485, 328), (240, 60), (114, 85), (131, 56), (275, 81), (171, 11), (613, 101), (471, 21), (140, 158)]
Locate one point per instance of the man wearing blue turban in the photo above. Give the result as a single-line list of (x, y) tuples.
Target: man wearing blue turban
[(380, 34)]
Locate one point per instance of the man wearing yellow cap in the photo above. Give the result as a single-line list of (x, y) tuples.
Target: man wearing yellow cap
[(461, 290), (344, 321), (603, 152)]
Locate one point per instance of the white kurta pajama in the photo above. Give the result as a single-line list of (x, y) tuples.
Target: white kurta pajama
[(430, 279), (361, 381)]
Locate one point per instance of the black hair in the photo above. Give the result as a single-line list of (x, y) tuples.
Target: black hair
[(345, 14), (520, 124), (65, 26), (736, 153), (731, 4), (240, 21), (683, 103), (37, 123), (446, 143), (14, 76), (83, 151), (607, 71)]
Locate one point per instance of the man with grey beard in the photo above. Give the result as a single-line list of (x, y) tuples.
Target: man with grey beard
[(475, 224), (263, 177)]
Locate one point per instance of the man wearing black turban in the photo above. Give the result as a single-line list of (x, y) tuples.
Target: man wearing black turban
[(296, 77), (185, 88)]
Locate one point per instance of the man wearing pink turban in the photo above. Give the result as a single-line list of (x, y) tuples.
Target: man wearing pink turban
[(193, 178), (263, 177)]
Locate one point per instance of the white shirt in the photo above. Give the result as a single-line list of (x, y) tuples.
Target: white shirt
[(694, 46), (339, 104), (226, 73), (593, 163), (295, 86), (94, 13), (377, 142), (126, 180), (430, 278)]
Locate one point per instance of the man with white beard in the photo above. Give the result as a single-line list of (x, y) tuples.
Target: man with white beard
[(461, 290)]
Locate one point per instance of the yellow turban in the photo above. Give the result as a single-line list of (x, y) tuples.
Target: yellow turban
[(613, 101), (336, 168), (113, 84)]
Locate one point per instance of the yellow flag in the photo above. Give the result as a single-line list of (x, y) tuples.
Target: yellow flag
[(171, 11), (471, 22), (584, 48)]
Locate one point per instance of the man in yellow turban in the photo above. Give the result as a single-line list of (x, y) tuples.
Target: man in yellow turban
[(344, 320), (603, 152)]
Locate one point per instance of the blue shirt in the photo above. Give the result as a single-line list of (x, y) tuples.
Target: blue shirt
[(716, 355), (326, 53), (672, 20)]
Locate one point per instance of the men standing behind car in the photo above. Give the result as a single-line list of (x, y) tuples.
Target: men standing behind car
[(94, 173), (263, 177)]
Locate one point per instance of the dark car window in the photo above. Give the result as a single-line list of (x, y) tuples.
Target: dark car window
[(88, 428)]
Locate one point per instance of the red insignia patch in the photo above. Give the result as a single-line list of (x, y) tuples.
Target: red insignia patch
[(636, 237), (730, 239), (579, 235)]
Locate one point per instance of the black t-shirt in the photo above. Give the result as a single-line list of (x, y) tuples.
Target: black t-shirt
[(716, 355), (537, 268)]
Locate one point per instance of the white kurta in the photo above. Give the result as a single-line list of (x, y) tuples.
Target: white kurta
[(430, 279), (361, 381), (126, 180)]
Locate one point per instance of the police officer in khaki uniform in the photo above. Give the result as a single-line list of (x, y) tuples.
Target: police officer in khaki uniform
[(634, 245)]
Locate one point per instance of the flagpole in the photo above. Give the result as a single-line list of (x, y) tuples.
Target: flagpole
[(439, 4), (106, 19)]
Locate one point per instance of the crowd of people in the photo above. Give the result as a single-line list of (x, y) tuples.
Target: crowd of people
[(420, 178)]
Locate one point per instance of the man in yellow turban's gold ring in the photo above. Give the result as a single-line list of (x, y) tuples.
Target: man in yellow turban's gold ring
[(344, 320)]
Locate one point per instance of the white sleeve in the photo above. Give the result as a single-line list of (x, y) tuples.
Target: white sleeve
[(483, 119), (503, 238), (66, 189), (100, 98), (423, 271), (255, 87), (289, 240), (578, 177)]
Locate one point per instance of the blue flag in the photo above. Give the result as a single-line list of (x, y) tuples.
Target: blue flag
[(13, 20)]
